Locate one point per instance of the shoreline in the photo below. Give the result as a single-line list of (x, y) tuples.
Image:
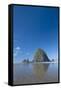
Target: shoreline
[(34, 62)]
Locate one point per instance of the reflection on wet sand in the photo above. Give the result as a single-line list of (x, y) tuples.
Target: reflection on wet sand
[(35, 73), (39, 70)]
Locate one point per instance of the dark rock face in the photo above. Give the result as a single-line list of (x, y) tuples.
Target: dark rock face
[(26, 61), (40, 56)]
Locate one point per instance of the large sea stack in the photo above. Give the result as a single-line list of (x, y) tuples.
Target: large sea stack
[(40, 56)]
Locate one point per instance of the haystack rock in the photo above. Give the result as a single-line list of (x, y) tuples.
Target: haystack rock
[(40, 56)]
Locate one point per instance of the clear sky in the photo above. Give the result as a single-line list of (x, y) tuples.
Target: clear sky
[(34, 27)]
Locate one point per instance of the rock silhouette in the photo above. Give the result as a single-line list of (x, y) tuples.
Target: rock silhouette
[(40, 56)]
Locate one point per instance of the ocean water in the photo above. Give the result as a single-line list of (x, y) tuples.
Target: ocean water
[(35, 73)]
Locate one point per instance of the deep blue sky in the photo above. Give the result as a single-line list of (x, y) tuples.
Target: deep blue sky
[(35, 27)]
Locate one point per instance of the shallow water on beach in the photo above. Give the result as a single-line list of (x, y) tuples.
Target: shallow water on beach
[(35, 73)]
